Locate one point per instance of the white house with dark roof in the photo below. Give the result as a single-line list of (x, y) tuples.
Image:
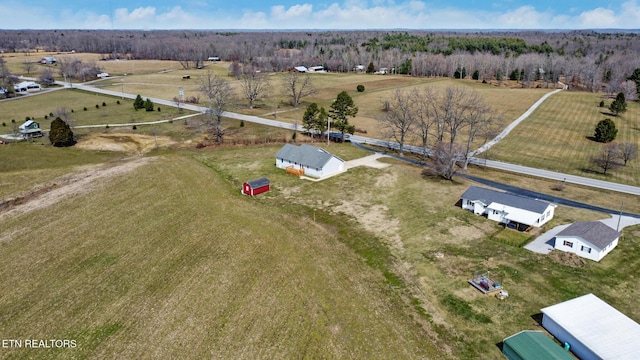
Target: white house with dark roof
[(513, 210), (315, 162), (30, 129), (588, 239), (593, 329)]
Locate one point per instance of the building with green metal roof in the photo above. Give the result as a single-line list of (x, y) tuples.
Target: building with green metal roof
[(533, 345)]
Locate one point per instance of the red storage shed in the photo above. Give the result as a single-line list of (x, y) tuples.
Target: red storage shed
[(255, 187)]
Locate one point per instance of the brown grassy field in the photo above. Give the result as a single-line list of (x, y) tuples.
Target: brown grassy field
[(220, 275), (169, 260)]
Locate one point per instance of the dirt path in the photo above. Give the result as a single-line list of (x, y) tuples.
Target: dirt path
[(73, 184)]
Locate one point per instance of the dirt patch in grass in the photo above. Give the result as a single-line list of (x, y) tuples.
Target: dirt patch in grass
[(567, 259), (129, 143), (64, 187)]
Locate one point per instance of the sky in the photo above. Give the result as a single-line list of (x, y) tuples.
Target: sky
[(319, 14)]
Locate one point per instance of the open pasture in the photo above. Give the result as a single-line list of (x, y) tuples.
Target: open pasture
[(170, 261), (557, 137), (436, 247)]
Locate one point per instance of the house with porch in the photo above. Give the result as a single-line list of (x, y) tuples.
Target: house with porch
[(515, 211), (312, 160)]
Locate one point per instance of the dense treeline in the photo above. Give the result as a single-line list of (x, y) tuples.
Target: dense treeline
[(586, 59)]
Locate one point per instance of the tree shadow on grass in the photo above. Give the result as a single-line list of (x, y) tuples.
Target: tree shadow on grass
[(591, 171)]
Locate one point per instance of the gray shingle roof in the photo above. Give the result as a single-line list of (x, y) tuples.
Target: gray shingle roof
[(594, 232), (257, 183), (488, 196), (306, 155)]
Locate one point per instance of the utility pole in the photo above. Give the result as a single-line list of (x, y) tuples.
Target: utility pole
[(620, 216)]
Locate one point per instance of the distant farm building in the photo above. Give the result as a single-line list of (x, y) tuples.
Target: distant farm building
[(591, 240), (515, 211), (593, 329), (316, 69), (213, 58), (314, 161), (48, 60), (255, 187), (300, 69), (533, 345), (30, 129)]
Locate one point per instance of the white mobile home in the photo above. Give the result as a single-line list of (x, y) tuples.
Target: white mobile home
[(512, 210)]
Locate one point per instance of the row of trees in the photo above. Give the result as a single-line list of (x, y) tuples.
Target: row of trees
[(446, 123), (583, 58), (316, 120)]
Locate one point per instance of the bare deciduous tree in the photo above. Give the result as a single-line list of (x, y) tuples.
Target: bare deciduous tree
[(608, 158), (446, 156), (219, 94), (401, 117), (255, 85), (628, 151), (297, 86), (46, 77)]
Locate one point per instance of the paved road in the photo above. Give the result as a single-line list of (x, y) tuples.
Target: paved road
[(573, 179)]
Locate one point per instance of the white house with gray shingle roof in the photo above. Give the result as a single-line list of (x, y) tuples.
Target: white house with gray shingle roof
[(509, 209), (315, 161), (592, 240)]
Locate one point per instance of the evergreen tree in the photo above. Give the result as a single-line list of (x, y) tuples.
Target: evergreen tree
[(605, 131), (341, 109), (60, 134), (371, 69), (635, 76), (619, 105), (138, 103), (315, 119), (148, 105)]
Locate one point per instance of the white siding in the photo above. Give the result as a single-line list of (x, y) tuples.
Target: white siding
[(580, 247), (593, 328), (563, 336)]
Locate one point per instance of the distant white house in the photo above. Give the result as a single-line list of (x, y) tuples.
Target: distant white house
[(593, 329), (103, 75), (512, 210), (315, 162), (316, 69), (30, 129), (26, 86), (213, 58), (359, 68), (592, 240)]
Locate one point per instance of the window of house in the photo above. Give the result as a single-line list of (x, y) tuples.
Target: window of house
[(568, 243), (585, 249)]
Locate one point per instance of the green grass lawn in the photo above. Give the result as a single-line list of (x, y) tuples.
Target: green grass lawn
[(170, 260), (556, 137)]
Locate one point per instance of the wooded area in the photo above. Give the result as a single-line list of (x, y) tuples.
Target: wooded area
[(586, 59)]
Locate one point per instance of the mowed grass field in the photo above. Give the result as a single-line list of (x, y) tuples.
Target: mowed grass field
[(557, 137), (170, 261)]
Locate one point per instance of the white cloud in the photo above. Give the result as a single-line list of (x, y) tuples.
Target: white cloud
[(138, 15), (598, 18), (295, 12)]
